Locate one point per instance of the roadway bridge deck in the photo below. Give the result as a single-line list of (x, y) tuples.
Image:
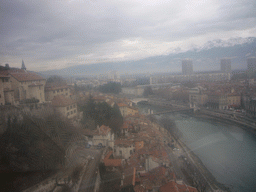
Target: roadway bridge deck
[(173, 111)]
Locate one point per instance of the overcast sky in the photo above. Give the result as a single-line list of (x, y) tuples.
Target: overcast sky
[(50, 34)]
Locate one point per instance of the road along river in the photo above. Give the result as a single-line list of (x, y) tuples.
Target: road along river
[(227, 150)]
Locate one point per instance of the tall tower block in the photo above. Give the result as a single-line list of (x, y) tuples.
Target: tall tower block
[(251, 64), (187, 67), (225, 65)]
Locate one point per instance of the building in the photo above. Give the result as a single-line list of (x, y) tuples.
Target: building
[(209, 77), (197, 97), (6, 92), (54, 89), (27, 87), (187, 67), (136, 91), (123, 148), (251, 64), (65, 106), (127, 110), (225, 65), (217, 100), (101, 136)]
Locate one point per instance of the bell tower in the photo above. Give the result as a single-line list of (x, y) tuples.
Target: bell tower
[(23, 65)]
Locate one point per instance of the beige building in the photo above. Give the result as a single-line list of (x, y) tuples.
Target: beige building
[(28, 85), (6, 92), (65, 106), (127, 110), (233, 99), (197, 97), (101, 136), (123, 148), (52, 90), (23, 86)]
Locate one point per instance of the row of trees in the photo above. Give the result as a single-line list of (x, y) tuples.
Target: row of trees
[(111, 87), (101, 114)]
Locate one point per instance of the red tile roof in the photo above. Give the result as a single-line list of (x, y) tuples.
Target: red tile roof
[(125, 143), (172, 186), (104, 130), (122, 105), (112, 162), (28, 76), (62, 101)]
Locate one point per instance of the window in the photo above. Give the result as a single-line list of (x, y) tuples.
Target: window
[(67, 108), (74, 111), (120, 152), (68, 114), (71, 107), (71, 112), (53, 91), (61, 90)]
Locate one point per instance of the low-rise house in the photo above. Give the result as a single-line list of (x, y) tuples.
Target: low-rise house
[(54, 89), (127, 110), (65, 106), (111, 162), (101, 136), (124, 148)]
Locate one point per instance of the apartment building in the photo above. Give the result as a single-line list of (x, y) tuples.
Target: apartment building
[(65, 106)]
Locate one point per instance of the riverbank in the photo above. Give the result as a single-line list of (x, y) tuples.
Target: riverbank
[(225, 119), (199, 176), (206, 175)]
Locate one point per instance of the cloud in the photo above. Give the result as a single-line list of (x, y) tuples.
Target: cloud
[(55, 34)]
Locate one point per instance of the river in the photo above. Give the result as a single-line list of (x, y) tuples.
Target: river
[(228, 151)]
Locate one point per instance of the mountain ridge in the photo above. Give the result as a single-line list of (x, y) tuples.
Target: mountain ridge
[(205, 58)]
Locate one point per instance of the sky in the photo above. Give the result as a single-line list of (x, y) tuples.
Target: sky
[(54, 34)]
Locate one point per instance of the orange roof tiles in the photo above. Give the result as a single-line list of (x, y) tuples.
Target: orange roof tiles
[(112, 162), (172, 186), (123, 142), (28, 76), (104, 130), (122, 105)]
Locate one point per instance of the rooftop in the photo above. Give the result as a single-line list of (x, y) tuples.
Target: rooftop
[(26, 76), (62, 101)]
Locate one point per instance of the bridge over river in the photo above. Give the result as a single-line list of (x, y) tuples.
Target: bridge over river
[(173, 111)]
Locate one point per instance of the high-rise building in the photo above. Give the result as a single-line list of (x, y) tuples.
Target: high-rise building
[(251, 64), (225, 65), (187, 66)]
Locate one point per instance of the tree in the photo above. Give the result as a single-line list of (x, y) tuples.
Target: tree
[(111, 87), (56, 79), (147, 91), (102, 114)]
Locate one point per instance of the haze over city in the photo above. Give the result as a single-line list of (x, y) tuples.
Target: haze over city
[(57, 34)]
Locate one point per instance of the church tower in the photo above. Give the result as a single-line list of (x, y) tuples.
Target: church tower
[(23, 65)]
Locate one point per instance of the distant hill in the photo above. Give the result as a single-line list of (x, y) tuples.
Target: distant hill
[(204, 58)]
